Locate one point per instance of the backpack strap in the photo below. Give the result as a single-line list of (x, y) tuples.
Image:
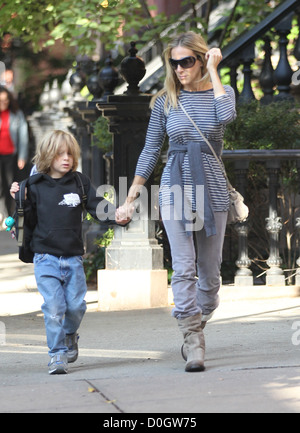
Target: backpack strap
[(80, 184), (20, 197)]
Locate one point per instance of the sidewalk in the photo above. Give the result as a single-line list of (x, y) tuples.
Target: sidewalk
[(130, 361)]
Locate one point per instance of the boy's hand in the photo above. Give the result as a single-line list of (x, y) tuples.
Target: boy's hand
[(13, 189), (124, 213)]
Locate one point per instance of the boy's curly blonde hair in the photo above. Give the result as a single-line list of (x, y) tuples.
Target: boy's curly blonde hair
[(49, 146)]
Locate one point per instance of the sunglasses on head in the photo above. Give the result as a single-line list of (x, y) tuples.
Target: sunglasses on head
[(185, 63)]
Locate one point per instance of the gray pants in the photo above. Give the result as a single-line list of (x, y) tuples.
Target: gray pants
[(191, 295)]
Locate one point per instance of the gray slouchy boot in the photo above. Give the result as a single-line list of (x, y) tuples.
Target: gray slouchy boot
[(194, 342)]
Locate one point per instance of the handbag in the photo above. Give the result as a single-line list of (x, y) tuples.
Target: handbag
[(238, 211)]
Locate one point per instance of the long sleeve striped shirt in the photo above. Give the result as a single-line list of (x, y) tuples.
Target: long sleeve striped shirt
[(211, 116)]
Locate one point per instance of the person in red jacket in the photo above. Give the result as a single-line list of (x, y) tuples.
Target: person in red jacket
[(13, 147)]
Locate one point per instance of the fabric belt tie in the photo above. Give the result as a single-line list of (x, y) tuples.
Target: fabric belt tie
[(194, 151)]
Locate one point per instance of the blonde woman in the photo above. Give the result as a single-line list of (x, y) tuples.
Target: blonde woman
[(193, 194), (54, 212)]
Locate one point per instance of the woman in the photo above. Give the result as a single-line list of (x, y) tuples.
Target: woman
[(13, 145), (192, 82)]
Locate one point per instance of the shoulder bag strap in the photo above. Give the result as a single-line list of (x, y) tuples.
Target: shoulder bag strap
[(84, 196), (20, 199), (209, 145)]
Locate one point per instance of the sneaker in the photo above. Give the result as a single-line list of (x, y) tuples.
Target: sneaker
[(71, 342), (58, 364)]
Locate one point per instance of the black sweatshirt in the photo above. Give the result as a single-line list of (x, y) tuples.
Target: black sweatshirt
[(54, 208)]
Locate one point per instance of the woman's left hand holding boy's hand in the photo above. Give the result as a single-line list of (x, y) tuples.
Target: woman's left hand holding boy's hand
[(124, 213)]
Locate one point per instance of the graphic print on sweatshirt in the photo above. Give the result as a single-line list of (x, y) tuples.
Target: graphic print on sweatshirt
[(70, 200)]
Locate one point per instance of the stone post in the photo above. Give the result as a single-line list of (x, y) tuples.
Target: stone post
[(134, 277), (275, 275), (243, 276)]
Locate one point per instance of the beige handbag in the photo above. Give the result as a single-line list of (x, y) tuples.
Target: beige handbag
[(238, 211)]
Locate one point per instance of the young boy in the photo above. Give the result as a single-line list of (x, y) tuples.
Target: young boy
[(54, 209)]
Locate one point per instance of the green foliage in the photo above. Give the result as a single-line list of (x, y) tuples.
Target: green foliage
[(247, 14), (273, 126), (79, 23), (95, 261), (102, 138)]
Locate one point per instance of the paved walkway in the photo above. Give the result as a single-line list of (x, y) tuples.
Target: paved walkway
[(130, 361)]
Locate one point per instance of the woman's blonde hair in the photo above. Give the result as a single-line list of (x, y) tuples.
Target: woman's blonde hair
[(49, 147), (172, 86)]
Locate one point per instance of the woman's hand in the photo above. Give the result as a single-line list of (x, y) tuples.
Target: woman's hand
[(13, 189), (213, 57), (124, 213)]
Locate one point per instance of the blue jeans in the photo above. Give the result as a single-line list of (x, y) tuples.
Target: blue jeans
[(62, 283)]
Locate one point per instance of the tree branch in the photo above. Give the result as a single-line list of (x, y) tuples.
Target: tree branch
[(230, 18), (148, 14)]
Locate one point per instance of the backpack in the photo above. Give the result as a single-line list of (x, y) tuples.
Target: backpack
[(24, 232)]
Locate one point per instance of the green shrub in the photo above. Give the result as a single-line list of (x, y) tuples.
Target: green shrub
[(257, 126), (93, 262)]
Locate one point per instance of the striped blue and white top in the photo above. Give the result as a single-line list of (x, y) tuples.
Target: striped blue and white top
[(211, 116)]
